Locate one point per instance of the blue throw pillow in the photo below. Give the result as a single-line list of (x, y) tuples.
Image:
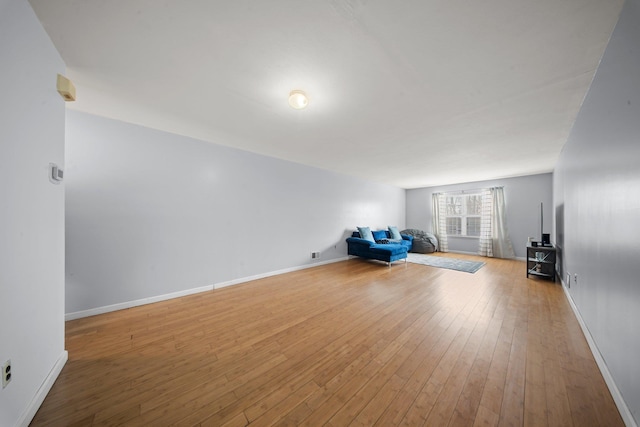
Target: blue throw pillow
[(379, 234), (365, 233), (395, 234)]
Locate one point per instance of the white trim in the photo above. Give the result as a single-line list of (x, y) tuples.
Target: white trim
[(476, 254), (34, 405), (625, 413), (277, 272), (462, 252), (135, 303), (158, 298)]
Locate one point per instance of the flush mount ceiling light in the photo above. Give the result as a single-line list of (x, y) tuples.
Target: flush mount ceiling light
[(298, 99)]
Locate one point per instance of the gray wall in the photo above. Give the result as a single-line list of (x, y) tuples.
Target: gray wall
[(597, 203), (152, 213), (522, 198), (31, 212)]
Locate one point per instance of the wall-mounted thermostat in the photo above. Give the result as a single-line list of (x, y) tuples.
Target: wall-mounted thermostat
[(55, 173)]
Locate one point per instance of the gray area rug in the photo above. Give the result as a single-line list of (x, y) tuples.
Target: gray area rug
[(450, 263)]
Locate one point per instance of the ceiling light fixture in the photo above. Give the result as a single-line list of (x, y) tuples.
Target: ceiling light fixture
[(298, 99)]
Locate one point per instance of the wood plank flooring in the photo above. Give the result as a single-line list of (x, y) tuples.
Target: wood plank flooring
[(351, 343)]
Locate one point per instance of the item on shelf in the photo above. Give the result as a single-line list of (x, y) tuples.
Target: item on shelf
[(541, 261)]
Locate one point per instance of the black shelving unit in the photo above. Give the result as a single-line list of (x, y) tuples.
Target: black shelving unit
[(541, 262)]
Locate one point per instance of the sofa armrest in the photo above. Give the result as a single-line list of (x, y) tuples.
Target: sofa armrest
[(359, 241), (407, 237)]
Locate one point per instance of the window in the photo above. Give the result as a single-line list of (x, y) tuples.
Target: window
[(454, 225), (463, 214)]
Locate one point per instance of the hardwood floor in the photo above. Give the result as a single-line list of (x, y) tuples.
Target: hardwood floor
[(350, 343)]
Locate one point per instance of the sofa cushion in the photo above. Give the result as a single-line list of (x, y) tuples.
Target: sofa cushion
[(365, 233), (394, 233), (379, 235)]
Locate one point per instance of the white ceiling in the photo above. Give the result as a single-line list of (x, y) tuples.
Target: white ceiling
[(412, 93)]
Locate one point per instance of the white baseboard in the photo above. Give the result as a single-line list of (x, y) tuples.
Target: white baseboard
[(476, 253), (158, 298), (135, 303), (462, 252), (42, 392), (625, 413), (277, 272)]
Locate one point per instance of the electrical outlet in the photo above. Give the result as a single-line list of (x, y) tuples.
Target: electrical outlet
[(575, 279), (6, 373)]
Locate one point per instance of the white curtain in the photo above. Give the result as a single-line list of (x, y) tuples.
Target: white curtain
[(440, 221), (494, 236)]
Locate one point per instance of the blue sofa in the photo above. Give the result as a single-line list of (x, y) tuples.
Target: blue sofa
[(387, 252)]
